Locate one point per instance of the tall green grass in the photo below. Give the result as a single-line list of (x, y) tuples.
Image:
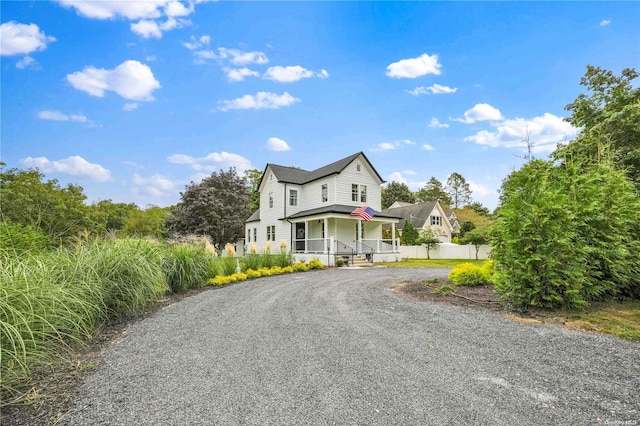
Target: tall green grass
[(189, 266), (55, 298)]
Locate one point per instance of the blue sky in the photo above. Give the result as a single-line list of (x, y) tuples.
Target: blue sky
[(133, 100)]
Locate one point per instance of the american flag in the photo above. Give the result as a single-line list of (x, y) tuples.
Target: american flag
[(364, 212)]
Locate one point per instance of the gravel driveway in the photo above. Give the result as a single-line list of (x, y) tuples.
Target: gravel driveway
[(339, 347)]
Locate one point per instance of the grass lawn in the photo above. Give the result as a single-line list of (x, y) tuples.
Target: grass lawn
[(619, 318), (429, 263)]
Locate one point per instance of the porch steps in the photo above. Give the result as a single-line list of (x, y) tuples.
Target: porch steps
[(360, 262)]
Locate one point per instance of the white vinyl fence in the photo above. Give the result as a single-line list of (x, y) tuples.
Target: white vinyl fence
[(445, 251)]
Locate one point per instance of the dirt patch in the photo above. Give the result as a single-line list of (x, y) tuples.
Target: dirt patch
[(52, 390)]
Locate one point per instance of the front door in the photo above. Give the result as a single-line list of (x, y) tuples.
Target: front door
[(300, 237)]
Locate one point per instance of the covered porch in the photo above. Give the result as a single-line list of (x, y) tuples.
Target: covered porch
[(333, 232)]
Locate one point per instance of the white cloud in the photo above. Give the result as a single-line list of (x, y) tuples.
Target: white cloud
[(131, 10), (147, 29), (435, 89), (427, 147), (399, 177), (436, 124), (277, 144), (194, 43), (75, 166), (480, 112), (544, 132), (481, 190), (156, 185), (414, 67), (25, 62), (238, 57), (389, 146), (131, 80), (605, 22), (22, 39), (261, 100), (291, 73), (238, 74), (148, 13), (59, 116), (130, 106), (214, 161), (409, 172)]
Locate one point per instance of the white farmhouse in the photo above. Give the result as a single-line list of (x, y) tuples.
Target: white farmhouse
[(311, 211)]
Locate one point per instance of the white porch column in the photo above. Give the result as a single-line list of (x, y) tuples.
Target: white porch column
[(393, 236), (359, 237), (306, 236), (326, 235)]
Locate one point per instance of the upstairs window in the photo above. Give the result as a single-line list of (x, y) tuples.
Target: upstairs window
[(271, 200), (363, 193), (325, 193), (354, 192), (435, 220), (358, 167), (293, 197)]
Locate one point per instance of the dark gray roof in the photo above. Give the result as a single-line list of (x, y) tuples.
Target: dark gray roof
[(255, 217), (418, 214), (300, 177), (340, 209)]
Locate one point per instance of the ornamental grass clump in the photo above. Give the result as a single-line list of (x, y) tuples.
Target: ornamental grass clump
[(251, 261), (188, 266)]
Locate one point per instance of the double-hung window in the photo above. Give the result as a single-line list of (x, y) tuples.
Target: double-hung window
[(293, 197), (271, 200), (354, 192), (435, 220), (363, 193), (255, 234), (325, 193), (271, 233)]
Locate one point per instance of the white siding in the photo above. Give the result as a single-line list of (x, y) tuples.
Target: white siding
[(312, 193), (365, 177)]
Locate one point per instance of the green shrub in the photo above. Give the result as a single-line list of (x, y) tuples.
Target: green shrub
[(339, 262), (468, 274), (315, 264), (267, 260), (17, 239)]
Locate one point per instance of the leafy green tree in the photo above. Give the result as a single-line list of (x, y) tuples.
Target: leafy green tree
[(150, 222), (28, 199), (396, 191), (609, 116), (433, 191), (479, 208), (252, 180), (429, 240), (477, 237), (410, 234), (458, 190), (112, 216), (217, 207)]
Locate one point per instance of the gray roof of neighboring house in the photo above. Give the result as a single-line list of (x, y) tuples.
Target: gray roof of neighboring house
[(255, 217), (418, 214), (300, 177), (341, 209)]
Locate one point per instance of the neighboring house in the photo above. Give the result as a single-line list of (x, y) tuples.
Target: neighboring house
[(311, 211), (423, 216), (453, 220)]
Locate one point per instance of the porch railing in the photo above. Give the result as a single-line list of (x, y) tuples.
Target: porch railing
[(364, 246), (366, 249), (311, 245)]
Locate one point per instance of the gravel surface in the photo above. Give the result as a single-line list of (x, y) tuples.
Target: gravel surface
[(340, 347)]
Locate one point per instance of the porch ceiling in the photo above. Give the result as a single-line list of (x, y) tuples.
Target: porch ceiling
[(340, 211)]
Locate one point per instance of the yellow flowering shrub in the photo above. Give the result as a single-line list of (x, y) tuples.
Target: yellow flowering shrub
[(300, 267), (315, 264), (253, 274)]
